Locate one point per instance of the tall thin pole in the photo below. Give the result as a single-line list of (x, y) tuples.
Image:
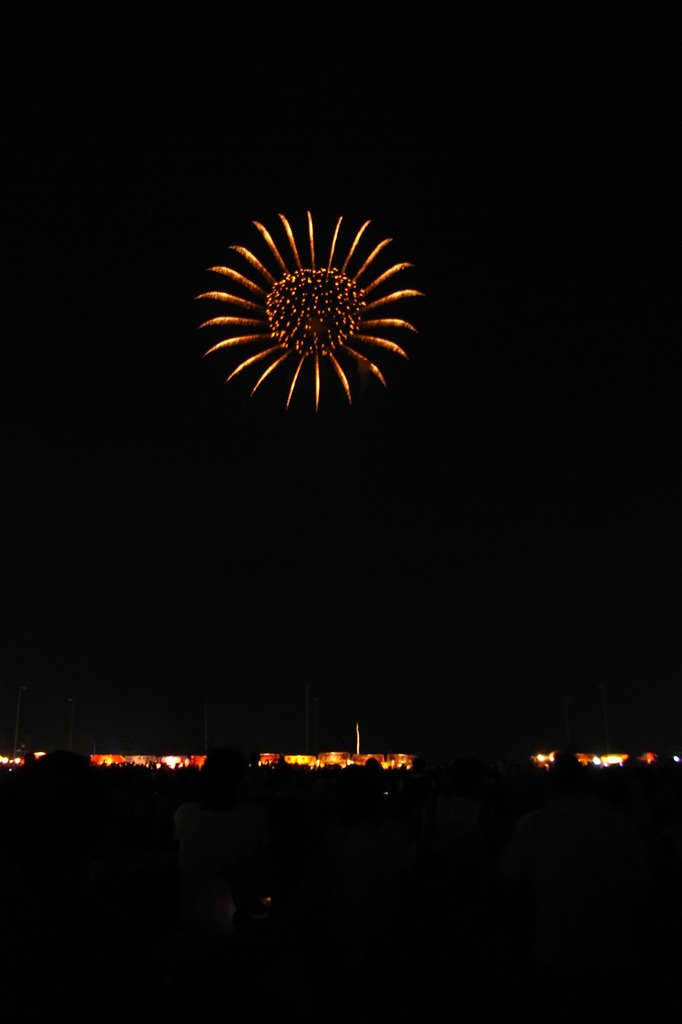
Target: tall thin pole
[(16, 724), (205, 725)]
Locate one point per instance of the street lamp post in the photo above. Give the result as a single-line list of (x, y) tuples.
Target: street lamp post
[(16, 724)]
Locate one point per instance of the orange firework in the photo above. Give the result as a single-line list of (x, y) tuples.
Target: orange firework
[(300, 311)]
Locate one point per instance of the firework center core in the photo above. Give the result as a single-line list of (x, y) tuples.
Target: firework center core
[(314, 310)]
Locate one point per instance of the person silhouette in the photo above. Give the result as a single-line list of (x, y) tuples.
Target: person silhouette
[(222, 847), (581, 871)]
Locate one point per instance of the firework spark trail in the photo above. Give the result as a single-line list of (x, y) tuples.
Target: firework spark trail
[(316, 313)]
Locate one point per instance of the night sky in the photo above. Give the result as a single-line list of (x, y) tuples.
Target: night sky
[(484, 557)]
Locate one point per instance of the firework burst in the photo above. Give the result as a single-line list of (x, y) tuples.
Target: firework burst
[(295, 312)]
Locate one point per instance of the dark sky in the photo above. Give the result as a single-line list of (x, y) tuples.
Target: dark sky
[(483, 558)]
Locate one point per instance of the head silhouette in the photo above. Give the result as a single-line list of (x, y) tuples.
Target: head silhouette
[(567, 777), (221, 778)]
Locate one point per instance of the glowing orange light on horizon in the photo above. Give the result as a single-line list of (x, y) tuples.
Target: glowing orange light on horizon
[(545, 760), (305, 313), (609, 759), (269, 759), (335, 757)]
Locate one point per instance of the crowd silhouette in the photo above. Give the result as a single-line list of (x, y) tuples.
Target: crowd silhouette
[(339, 892)]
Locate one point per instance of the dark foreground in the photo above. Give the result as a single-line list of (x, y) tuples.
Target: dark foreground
[(411, 895)]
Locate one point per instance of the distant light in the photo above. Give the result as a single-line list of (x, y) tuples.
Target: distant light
[(173, 761), (268, 759), (301, 760), (610, 759), (334, 757)]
